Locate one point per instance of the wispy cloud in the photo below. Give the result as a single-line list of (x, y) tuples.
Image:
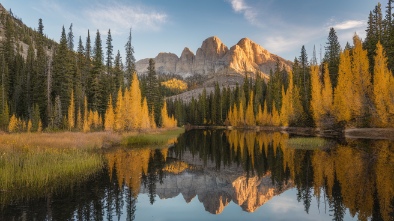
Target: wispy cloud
[(120, 18), (349, 24), (240, 6)]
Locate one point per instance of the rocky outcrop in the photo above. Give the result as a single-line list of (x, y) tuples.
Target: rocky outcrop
[(214, 58)]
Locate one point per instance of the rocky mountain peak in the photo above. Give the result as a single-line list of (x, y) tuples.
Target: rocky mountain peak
[(187, 54), (212, 48)]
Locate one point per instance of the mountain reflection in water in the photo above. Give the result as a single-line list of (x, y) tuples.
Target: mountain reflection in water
[(354, 178)]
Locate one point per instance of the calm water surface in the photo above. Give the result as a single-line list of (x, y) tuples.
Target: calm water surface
[(228, 175)]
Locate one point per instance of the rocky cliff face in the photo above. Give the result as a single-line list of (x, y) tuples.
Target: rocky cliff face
[(214, 58)]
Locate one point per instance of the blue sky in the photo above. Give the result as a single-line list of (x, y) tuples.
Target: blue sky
[(280, 26)]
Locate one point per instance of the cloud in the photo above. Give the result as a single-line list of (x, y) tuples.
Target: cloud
[(239, 6), (349, 24), (120, 18)]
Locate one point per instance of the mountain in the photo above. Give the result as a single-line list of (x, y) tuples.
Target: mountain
[(214, 58)]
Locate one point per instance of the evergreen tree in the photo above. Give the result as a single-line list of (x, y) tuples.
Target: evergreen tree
[(110, 49), (153, 90), (70, 38), (331, 56), (40, 27), (118, 72), (62, 73), (130, 60), (374, 33)]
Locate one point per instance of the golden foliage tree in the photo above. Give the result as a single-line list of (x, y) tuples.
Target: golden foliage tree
[(13, 124), (167, 121), (250, 119), (109, 116), (70, 113), (362, 86), (343, 93), (326, 94), (145, 121), (316, 101), (119, 115), (381, 89), (86, 124), (275, 120), (152, 119), (135, 103)]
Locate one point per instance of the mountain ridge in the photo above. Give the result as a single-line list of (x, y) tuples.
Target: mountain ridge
[(215, 58)]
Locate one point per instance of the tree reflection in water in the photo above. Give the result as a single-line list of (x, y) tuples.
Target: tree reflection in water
[(248, 168)]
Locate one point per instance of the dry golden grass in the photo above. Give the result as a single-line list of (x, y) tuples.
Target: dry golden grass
[(79, 140)]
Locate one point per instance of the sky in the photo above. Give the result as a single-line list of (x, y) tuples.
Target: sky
[(280, 26)]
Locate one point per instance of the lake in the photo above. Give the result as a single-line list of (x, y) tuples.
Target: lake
[(225, 175)]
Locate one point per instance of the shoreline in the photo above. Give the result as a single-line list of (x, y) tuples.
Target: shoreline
[(351, 133)]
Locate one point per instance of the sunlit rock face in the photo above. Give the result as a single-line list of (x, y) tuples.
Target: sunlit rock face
[(215, 189), (214, 58)]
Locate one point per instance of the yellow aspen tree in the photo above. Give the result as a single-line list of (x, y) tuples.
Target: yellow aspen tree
[(119, 115), (109, 116), (39, 129), (96, 120), (316, 101), (152, 119), (275, 116), (145, 122), (241, 115), (168, 122), (327, 99), (249, 115), (284, 111), (13, 124), (126, 110), (135, 98), (287, 110), (343, 93), (70, 113), (234, 117), (381, 88), (29, 126), (259, 118), (230, 115), (79, 120), (266, 116), (361, 78), (86, 125)]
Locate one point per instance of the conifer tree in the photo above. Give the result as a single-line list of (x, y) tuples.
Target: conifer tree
[(331, 56), (153, 90), (13, 125), (70, 38), (130, 60)]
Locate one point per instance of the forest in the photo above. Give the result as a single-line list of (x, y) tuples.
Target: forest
[(49, 86)]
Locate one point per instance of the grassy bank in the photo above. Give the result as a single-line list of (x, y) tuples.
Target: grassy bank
[(34, 164), (160, 137)]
